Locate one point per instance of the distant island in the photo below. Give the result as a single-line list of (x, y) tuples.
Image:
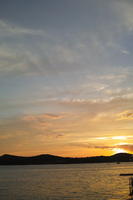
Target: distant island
[(51, 159)]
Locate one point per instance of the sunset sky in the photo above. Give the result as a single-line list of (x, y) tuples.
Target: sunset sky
[(66, 77)]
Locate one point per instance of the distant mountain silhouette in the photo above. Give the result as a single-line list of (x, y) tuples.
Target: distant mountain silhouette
[(51, 159)]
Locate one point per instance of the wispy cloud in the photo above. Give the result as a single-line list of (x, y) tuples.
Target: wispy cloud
[(66, 74), (124, 11), (8, 29), (126, 115), (126, 147)]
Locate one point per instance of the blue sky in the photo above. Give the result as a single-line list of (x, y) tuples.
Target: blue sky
[(71, 59)]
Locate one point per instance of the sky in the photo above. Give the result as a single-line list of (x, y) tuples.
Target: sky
[(66, 77)]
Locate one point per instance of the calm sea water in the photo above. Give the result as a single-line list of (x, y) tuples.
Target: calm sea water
[(65, 182)]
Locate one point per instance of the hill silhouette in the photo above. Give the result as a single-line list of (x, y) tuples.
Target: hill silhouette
[(7, 159)]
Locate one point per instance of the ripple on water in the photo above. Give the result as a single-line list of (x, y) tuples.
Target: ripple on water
[(65, 182)]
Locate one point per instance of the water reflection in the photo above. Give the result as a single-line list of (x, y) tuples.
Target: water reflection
[(65, 182)]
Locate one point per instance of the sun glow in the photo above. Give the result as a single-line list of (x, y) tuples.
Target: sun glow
[(119, 150), (119, 138)]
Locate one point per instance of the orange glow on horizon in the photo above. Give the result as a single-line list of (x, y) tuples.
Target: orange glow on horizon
[(119, 150)]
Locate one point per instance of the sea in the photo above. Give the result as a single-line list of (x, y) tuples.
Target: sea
[(65, 182)]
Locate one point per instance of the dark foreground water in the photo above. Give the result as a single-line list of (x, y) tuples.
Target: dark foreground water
[(65, 182)]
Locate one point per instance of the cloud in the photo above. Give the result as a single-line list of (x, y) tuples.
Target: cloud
[(119, 92), (127, 147), (99, 106), (49, 55), (8, 29), (123, 137), (125, 115), (73, 53), (100, 147), (85, 72), (37, 125), (42, 117), (64, 129), (124, 11), (42, 121), (91, 146), (20, 60), (113, 108), (118, 76), (53, 116), (125, 52)]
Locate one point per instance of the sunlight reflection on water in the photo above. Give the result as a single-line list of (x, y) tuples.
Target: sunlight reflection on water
[(65, 182)]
